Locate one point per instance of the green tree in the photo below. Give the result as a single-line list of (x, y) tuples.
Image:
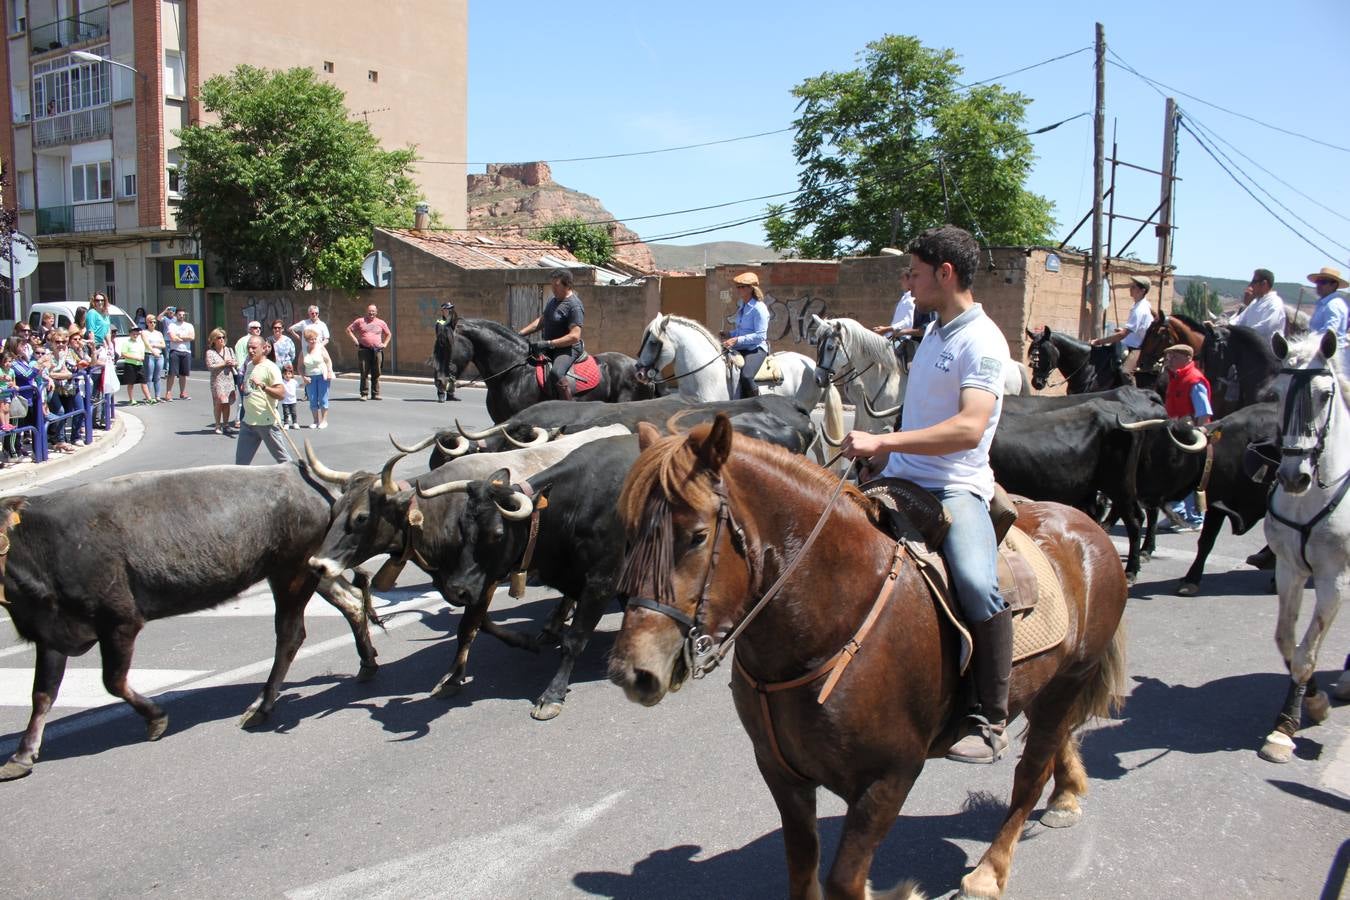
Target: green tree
[(588, 243), (285, 187), (897, 146), (1200, 302)]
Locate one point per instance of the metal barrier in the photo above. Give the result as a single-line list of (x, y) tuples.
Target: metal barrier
[(96, 408)]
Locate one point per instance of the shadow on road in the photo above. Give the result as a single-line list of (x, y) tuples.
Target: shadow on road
[(1244, 582)]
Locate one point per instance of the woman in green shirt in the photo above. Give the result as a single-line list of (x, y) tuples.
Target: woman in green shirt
[(133, 365)]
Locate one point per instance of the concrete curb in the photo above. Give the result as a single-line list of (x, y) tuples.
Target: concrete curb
[(125, 433)]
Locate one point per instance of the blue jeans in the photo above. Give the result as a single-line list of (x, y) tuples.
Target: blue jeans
[(1188, 510), (318, 392), (971, 554), (154, 374)]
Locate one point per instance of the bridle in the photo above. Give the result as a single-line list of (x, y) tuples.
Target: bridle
[(660, 337)]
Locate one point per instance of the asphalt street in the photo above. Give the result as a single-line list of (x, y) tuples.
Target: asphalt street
[(378, 790)]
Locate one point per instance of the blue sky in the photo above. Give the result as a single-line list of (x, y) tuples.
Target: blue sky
[(550, 81)]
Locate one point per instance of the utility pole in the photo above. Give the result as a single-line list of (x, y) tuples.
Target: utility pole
[(1169, 161), (1098, 183)]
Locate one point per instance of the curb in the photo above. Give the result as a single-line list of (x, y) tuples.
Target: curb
[(125, 433), (405, 379)]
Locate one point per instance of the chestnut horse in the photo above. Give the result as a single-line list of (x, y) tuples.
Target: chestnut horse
[(712, 526), (1167, 331)]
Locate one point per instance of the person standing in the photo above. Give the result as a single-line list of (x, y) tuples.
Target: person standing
[(65, 398), (750, 336), (283, 348), (1331, 313), (313, 321), (263, 390), (443, 351), (241, 354), (155, 348), (133, 364), (318, 376), (1136, 326), (221, 364), (370, 335), (96, 320), (1265, 314), (561, 322), (953, 405), (180, 337), (1187, 395)]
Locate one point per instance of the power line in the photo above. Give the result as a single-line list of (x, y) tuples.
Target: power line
[(743, 137), (1204, 146), (1044, 62), (1156, 85)]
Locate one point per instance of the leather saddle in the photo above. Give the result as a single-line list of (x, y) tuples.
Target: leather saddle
[(584, 373), (770, 372)]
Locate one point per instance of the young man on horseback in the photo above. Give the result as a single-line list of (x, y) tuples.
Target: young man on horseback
[(1265, 314), (561, 321), (955, 398), (751, 335), (1136, 327)]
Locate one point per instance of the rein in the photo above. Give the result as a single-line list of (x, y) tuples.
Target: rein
[(722, 353), (1036, 354), (1302, 379)]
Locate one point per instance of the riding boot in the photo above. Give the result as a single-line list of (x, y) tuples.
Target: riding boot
[(562, 388), (984, 741)]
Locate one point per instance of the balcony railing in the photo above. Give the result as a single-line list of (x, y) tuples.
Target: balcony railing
[(76, 219), (91, 25), (73, 128)]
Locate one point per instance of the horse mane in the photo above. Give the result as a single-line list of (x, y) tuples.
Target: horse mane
[(1189, 322), (497, 328), (868, 345), (690, 323)]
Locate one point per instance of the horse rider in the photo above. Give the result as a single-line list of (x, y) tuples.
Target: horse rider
[(1136, 326), (1332, 312), (1265, 313), (445, 386), (955, 398), (750, 337), (561, 322)]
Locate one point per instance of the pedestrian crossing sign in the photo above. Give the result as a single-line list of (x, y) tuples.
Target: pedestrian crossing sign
[(188, 273)]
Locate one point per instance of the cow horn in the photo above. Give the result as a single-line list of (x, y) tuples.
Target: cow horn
[(1140, 426), (524, 507), (420, 445), (880, 414), (1196, 446), (540, 437), (332, 476), (481, 435), (460, 447), (387, 474), (450, 487)]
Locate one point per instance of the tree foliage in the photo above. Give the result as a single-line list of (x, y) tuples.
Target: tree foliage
[(1200, 303), (897, 146), (589, 243), (284, 189)]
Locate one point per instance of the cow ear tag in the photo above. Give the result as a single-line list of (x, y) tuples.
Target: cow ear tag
[(415, 518)]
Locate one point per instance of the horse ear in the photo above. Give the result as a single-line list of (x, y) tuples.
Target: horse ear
[(714, 450), (647, 435), (1279, 345), (1045, 332), (1328, 346), (817, 320)]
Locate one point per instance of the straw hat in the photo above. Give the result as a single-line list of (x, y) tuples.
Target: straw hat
[(891, 251), (750, 280), (1333, 274)]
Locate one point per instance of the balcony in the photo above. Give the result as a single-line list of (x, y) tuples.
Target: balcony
[(73, 128), (93, 24), (81, 218)]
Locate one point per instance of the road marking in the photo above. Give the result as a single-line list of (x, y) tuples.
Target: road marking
[(83, 688), (486, 865), (258, 602)]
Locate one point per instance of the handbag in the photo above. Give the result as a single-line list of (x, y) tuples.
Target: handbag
[(18, 407)]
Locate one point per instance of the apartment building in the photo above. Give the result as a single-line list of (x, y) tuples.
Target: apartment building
[(96, 89)]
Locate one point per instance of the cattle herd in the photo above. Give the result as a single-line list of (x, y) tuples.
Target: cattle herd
[(537, 492)]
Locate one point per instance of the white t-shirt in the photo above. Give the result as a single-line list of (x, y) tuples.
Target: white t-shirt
[(969, 351), (299, 329), (903, 317), (181, 335), (1141, 317), (1264, 315), (292, 389)]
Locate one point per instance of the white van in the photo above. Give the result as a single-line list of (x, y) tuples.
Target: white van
[(64, 310)]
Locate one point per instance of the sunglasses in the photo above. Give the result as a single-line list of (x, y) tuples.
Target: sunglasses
[(58, 343), (276, 327)]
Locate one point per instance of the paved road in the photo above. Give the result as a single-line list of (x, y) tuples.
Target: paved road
[(376, 790)]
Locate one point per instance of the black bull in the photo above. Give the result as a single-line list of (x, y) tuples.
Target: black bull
[(91, 565)]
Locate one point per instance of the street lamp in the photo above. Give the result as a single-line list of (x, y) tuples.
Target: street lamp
[(86, 56)]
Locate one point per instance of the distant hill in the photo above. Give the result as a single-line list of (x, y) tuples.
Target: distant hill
[(685, 257), (1231, 289)]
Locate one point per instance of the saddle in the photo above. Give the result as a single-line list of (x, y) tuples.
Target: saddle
[(1026, 579), (585, 373), (770, 372)]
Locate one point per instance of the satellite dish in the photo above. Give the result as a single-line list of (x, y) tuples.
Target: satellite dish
[(23, 251)]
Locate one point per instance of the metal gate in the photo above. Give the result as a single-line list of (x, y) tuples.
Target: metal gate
[(524, 303)]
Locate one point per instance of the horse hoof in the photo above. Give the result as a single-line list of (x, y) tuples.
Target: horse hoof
[(450, 686), (1318, 708), (252, 717), (367, 672), (1188, 590), (155, 728), (1130, 577), (14, 770), (1278, 748), (1061, 818), (542, 712), (1342, 689), (1145, 556)]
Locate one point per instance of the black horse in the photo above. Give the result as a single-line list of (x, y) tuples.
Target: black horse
[(1239, 365), (450, 356), (499, 354), (1085, 368)]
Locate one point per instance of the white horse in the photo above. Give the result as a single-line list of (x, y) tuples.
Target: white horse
[(700, 363), (864, 365), (1307, 525)]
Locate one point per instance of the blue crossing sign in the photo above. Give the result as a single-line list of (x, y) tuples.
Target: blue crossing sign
[(188, 273)]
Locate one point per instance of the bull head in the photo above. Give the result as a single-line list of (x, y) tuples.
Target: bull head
[(1199, 438), (521, 508), (387, 474)]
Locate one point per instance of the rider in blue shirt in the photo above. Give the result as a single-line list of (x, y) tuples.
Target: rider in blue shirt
[(750, 337), (1331, 313)]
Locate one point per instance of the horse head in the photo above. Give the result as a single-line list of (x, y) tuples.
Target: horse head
[(655, 352), (1043, 356), (829, 349), (1310, 403)]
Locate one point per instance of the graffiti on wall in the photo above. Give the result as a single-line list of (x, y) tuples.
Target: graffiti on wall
[(792, 318), (266, 309)]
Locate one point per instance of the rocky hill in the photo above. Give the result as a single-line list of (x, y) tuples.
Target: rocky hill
[(525, 194)]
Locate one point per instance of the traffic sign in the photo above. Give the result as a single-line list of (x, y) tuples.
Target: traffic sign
[(188, 273), (23, 252), (376, 268)]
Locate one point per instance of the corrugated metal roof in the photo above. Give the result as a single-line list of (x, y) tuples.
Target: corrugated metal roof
[(484, 250)]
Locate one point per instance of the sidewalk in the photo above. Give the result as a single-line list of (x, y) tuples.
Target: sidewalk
[(125, 433)]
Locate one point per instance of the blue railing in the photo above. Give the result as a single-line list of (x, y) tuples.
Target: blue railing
[(93, 409)]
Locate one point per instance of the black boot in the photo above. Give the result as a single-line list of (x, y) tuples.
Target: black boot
[(984, 741)]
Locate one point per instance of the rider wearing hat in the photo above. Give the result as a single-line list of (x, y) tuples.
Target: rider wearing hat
[(1331, 313), (1136, 326), (750, 337), (561, 322)]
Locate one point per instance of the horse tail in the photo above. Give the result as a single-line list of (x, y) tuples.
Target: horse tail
[(834, 414), (1104, 693)]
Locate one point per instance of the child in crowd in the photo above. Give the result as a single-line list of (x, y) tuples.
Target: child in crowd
[(6, 388), (292, 383)]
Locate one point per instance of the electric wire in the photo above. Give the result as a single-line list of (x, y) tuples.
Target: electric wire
[(1044, 62)]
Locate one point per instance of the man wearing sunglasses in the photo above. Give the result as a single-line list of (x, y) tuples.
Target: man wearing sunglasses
[(1331, 313)]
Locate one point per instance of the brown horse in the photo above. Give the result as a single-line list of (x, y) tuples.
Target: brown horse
[(711, 529), (1167, 331)]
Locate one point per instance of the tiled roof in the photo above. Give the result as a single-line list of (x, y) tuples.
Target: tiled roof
[(483, 250)]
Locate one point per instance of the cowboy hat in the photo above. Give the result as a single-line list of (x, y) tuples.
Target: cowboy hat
[(1327, 272)]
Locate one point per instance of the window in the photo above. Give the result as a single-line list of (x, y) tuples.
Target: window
[(18, 16), (372, 75), (328, 66), (174, 168), (19, 103), (174, 84), (64, 85), (25, 187), (91, 182), (126, 168)]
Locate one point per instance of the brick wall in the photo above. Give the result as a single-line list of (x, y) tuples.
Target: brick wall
[(149, 61)]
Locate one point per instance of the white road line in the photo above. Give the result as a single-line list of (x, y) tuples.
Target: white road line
[(83, 688), (486, 865)]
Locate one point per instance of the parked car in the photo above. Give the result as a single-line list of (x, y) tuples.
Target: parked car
[(64, 310)]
